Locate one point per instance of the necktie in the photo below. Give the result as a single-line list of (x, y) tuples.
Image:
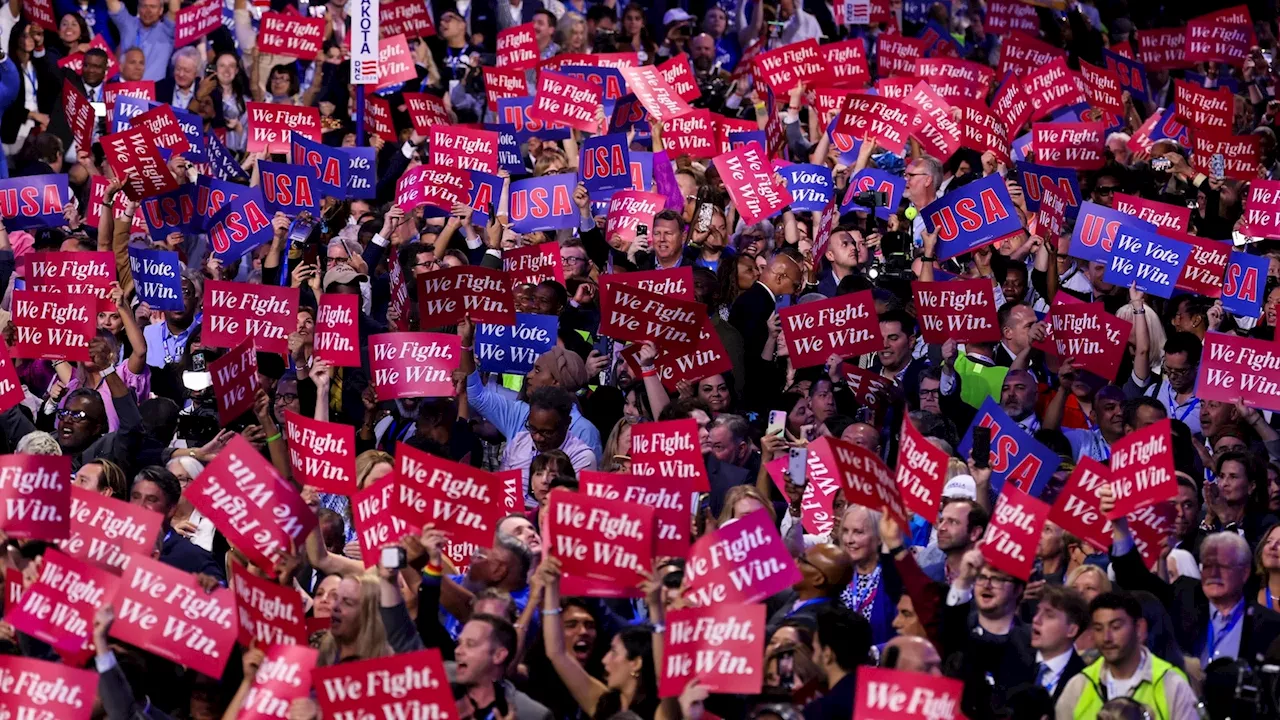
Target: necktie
[(1042, 675)]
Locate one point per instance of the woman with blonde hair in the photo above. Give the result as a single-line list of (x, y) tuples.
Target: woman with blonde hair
[(1266, 562), (617, 448), (1091, 581), (1155, 335), (742, 500)]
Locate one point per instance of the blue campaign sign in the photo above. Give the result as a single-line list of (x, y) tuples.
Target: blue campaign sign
[(174, 211), (193, 128), (223, 164), (1132, 74), (1015, 456), (290, 189), (513, 348), (362, 173), (1082, 112), (917, 11), (875, 179), (609, 79), (746, 137), (34, 201), (627, 112), (509, 157), (1096, 229), (605, 165), (641, 170), (1150, 260), (811, 186), (211, 195), (543, 203), (157, 277), (484, 192), (127, 108), (515, 111), (1169, 129), (329, 163), (1018, 148), (240, 226), (976, 215), (1243, 283), (1035, 179)]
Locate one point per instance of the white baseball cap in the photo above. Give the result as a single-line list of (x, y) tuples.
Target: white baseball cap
[(676, 15), (961, 486)]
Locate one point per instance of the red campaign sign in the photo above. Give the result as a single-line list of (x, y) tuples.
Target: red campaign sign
[(847, 63), (378, 516), (499, 84), (707, 358), (12, 587), (564, 101), (1141, 140), (1262, 209), (40, 12), (921, 471), (72, 273), (234, 310), (724, 126), (604, 541), (1240, 153), (531, 264), (512, 490), (463, 501), (982, 131), (465, 149), (1222, 36), (337, 333), (1011, 539), (1051, 87), (377, 119), (897, 54), (896, 88), (964, 310), (1074, 145), (108, 532), (827, 101), (269, 613), (283, 676), (259, 513), (57, 609), (1004, 16), (271, 126), (1051, 218), (653, 92), (80, 114), (412, 19), (742, 561), (668, 496), (1023, 55), (163, 125), (1201, 108), (1238, 368), (1093, 338), (322, 453), (291, 34), (518, 48), (409, 685), (1163, 48), (11, 392), (888, 122), (722, 647), (1076, 508), (32, 688), (690, 134), (1205, 266), (36, 490), (447, 296), (1150, 527), (135, 153), (749, 178), (845, 325), (53, 326), (863, 475), (679, 75), (235, 381), (195, 21), (395, 64), (1163, 215), (956, 78), (785, 67), (434, 185), (670, 449), (629, 313), (413, 364), (1047, 345), (399, 300), (1102, 86), (629, 209), (676, 282), (163, 610), (1011, 104), (142, 89), (1142, 469), (902, 695)]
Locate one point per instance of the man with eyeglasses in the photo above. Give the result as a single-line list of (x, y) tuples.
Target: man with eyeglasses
[(547, 428), (924, 177), (825, 571), (1176, 389)]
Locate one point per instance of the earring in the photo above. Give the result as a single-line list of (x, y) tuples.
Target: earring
[(635, 674)]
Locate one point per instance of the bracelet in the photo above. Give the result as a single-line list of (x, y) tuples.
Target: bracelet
[(274, 438), (108, 370), (465, 347), (648, 373), (927, 258), (895, 550), (433, 570), (551, 611)]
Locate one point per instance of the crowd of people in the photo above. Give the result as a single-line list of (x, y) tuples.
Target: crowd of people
[(1171, 619)]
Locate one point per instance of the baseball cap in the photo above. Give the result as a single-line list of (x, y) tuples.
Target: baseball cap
[(341, 275), (961, 486), (676, 15)]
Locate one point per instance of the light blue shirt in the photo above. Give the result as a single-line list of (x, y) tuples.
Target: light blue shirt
[(156, 42), (1226, 634), (1088, 443), (509, 415)]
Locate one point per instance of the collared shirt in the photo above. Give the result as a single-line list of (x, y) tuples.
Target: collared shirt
[(521, 451), (156, 42), (163, 347), (1030, 423), (1056, 666), (1088, 443), (1224, 633), (1124, 688), (1188, 412), (182, 98)]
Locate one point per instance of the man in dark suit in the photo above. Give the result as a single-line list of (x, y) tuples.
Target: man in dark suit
[(1018, 331), (155, 488), (825, 571), (841, 642), (751, 312), (486, 18), (1060, 618)]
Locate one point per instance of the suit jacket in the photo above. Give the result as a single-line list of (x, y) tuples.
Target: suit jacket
[(1074, 666), (48, 98), (723, 477), (749, 316), (185, 555), (484, 18)]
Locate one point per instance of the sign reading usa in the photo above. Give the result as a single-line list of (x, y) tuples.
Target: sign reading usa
[(976, 215), (543, 203), (1015, 455)]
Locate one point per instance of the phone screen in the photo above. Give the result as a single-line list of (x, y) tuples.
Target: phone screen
[(981, 446)]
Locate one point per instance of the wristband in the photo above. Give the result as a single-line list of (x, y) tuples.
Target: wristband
[(433, 569), (465, 347), (108, 370), (928, 258), (551, 611), (648, 373), (895, 550), (274, 438)]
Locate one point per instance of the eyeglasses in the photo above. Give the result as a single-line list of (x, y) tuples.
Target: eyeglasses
[(915, 174), (72, 415), (286, 398), (427, 264), (992, 580), (1176, 372), (1211, 567), (571, 260), (926, 392), (340, 260), (538, 432)]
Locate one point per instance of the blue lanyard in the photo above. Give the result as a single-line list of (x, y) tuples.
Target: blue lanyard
[(1211, 645), (1173, 403), (1269, 607), (31, 78), (805, 604)]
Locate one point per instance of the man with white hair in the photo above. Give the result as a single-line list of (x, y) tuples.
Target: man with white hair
[(1118, 145), (180, 89)]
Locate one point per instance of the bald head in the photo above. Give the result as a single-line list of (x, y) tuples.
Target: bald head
[(783, 276), (862, 435), (702, 47), (915, 654), (825, 571)]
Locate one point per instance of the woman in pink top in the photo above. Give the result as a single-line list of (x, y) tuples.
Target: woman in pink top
[(133, 370)]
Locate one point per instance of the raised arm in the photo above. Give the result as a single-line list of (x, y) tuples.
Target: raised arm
[(586, 690), (137, 360)]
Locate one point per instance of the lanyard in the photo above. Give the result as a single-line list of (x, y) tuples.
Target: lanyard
[(1269, 607), (1173, 403), (1211, 645), (31, 78), (804, 605)]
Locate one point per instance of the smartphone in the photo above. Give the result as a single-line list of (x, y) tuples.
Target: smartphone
[(797, 461), (392, 558), (1217, 166), (777, 423), (311, 253), (1161, 164), (981, 447), (786, 669), (704, 217), (642, 229)]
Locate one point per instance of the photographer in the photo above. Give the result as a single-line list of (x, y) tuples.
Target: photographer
[(460, 66), (679, 25)]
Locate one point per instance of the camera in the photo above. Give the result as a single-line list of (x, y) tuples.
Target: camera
[(1236, 689), (871, 199), (393, 558)]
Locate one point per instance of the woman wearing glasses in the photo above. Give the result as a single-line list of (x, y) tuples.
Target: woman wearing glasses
[(133, 371)]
